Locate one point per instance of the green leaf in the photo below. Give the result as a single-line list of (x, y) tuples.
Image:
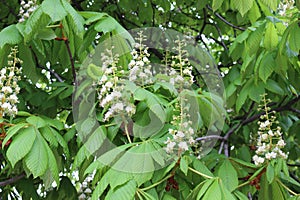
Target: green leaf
[(217, 4), (54, 9), (266, 67), (38, 20), (270, 173), (274, 87), (106, 24), (76, 20), (254, 13), (184, 165), (94, 71), (123, 192), (271, 4), (21, 145), (46, 34), (37, 159), (10, 35), (100, 188), (92, 16), (271, 37), (204, 186), (213, 192), (28, 66), (294, 41), (242, 6), (38, 122), (11, 132), (270, 191), (240, 195), (199, 166), (228, 175), (256, 91), (243, 94), (52, 165)]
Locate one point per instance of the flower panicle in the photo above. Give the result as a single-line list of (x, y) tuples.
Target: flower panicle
[(269, 142), (112, 96), (9, 77), (183, 132), (26, 9), (140, 70)]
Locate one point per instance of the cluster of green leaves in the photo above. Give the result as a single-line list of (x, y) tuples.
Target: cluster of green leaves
[(254, 46)]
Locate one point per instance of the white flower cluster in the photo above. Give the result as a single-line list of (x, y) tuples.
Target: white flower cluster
[(269, 142), (182, 135), (26, 9), (140, 69), (112, 95), (9, 77), (181, 71)]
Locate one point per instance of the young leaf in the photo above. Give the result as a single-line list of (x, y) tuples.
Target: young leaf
[(21, 144)]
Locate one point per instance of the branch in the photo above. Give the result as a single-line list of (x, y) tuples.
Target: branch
[(11, 180), (71, 59), (286, 107), (224, 20), (209, 137)]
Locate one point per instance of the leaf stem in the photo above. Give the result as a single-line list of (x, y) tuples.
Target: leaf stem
[(288, 189), (157, 183), (199, 173)]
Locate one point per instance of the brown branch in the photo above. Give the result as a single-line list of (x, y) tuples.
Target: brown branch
[(71, 59), (224, 20), (11, 180)]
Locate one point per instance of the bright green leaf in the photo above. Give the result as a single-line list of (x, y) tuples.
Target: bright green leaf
[(271, 37), (54, 9), (37, 159), (21, 144), (228, 175)]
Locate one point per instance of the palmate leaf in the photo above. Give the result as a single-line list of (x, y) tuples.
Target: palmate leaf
[(21, 144), (37, 159)]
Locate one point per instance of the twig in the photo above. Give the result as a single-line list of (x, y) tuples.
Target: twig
[(11, 180), (209, 137), (42, 67), (224, 20)]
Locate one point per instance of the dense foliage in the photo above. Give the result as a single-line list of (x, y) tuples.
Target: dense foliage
[(85, 111)]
